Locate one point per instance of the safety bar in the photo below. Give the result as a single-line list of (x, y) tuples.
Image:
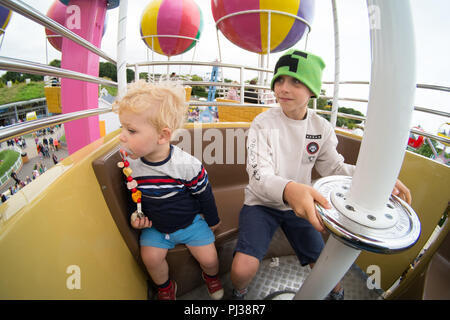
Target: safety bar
[(419, 85), (37, 68), (197, 63), (416, 108), (236, 66), (33, 14), (18, 65), (32, 126)]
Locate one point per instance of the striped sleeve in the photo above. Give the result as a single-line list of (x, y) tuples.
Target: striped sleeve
[(202, 191), (198, 183)]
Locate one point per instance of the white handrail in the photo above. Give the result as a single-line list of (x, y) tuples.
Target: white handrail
[(36, 16)]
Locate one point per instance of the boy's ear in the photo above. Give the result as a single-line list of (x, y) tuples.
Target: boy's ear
[(164, 135)]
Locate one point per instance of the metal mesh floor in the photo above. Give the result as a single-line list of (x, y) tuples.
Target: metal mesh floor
[(286, 273)]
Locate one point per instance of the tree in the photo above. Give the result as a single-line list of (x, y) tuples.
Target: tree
[(12, 76), (17, 77), (198, 90), (55, 63), (324, 104), (108, 70), (130, 75)]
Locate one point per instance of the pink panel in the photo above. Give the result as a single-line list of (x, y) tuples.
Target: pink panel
[(79, 95)]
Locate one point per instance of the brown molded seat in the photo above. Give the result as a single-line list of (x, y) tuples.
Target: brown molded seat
[(228, 178), (228, 183)]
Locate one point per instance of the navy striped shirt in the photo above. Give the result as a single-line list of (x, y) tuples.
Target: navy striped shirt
[(174, 191)]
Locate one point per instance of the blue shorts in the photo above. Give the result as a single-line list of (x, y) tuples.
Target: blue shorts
[(196, 234), (257, 224)]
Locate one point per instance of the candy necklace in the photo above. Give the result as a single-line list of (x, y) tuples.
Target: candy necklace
[(132, 184)]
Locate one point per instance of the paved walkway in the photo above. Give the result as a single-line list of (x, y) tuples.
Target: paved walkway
[(34, 158)]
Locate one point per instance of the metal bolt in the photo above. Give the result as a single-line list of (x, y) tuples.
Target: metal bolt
[(349, 208)]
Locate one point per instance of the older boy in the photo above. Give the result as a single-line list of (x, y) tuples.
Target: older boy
[(284, 144)]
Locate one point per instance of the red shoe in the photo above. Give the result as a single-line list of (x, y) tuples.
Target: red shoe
[(168, 293), (214, 285)]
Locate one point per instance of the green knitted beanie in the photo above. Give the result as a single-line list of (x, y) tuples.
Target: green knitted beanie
[(301, 65)]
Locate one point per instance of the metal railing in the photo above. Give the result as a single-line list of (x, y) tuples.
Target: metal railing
[(32, 126), (36, 16), (18, 65), (23, 128), (37, 68)]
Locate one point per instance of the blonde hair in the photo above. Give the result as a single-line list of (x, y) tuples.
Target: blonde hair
[(167, 99)]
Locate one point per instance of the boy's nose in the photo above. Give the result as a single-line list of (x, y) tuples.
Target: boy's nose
[(283, 85)]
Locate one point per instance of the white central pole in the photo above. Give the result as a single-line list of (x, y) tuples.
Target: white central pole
[(391, 103), (391, 99), (334, 261)]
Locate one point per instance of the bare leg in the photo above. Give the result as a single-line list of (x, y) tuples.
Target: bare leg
[(209, 262), (206, 257), (243, 270), (156, 263)]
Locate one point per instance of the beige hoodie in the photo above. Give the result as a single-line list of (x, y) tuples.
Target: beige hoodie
[(281, 150)]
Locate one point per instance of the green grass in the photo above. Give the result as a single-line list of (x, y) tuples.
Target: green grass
[(22, 92), (33, 90), (111, 90), (9, 157)]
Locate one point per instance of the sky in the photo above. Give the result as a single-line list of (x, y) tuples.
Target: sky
[(26, 40)]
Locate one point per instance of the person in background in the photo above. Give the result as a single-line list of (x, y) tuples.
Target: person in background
[(251, 95), (232, 93)]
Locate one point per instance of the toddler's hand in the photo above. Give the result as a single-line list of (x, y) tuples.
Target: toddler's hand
[(215, 227), (141, 223)]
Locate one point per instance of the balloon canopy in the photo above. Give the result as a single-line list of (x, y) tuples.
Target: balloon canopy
[(171, 27), (5, 16), (57, 12), (250, 30)]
